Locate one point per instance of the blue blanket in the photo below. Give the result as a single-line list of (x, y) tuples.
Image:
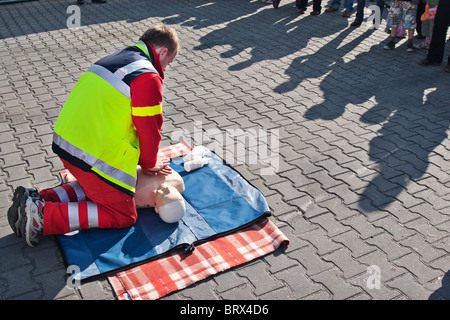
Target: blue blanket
[(218, 201)]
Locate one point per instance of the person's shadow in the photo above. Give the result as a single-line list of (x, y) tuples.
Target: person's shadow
[(203, 14), (315, 65), (259, 34), (443, 293), (409, 134), (44, 16), (411, 110)]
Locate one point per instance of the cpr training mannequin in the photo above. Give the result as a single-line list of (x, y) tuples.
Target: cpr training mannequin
[(163, 192)]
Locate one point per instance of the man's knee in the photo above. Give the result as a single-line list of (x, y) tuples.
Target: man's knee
[(126, 220), (125, 215)]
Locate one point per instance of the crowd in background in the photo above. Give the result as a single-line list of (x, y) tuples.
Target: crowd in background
[(429, 18)]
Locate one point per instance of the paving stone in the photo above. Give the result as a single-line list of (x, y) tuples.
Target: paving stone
[(310, 261), (352, 241), (336, 206), (362, 226), (19, 283), (336, 285), (343, 260), (259, 277), (410, 288), (397, 230), (241, 293), (388, 270), (419, 269), (375, 290), (426, 251), (320, 241), (300, 285), (228, 280), (386, 244), (330, 224)]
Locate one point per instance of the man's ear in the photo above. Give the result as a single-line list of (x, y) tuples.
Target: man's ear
[(161, 51)]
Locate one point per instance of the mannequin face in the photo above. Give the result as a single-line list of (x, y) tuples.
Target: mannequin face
[(166, 194), (169, 204)]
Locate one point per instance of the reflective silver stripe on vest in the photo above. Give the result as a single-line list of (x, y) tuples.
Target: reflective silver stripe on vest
[(113, 80), (94, 162), (134, 66)]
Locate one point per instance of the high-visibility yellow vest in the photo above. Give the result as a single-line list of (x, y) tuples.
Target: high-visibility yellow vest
[(94, 130)]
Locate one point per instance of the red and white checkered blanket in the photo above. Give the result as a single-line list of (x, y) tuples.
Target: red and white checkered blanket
[(179, 270), (176, 150)]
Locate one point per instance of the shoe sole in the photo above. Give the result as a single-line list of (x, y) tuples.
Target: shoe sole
[(25, 223), (13, 211)]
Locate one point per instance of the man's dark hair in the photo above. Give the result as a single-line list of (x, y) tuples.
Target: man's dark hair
[(161, 35)]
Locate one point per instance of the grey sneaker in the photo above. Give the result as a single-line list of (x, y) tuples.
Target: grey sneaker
[(13, 211), (31, 220), (409, 46)]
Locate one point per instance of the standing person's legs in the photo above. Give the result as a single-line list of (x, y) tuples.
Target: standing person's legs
[(420, 11), (334, 6), (360, 11), (380, 4), (348, 5), (441, 24), (409, 22), (394, 17), (317, 5), (301, 5)]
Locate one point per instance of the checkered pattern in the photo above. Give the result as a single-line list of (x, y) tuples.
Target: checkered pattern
[(179, 270), (176, 150)]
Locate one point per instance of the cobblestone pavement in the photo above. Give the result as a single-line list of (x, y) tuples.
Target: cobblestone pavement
[(359, 134)]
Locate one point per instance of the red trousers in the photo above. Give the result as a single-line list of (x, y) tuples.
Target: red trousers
[(87, 203)]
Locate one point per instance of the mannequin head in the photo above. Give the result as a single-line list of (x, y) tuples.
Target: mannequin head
[(169, 203)]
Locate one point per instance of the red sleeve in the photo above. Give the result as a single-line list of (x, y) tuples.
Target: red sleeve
[(146, 103)]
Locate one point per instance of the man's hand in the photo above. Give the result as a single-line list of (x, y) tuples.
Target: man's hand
[(161, 167)]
